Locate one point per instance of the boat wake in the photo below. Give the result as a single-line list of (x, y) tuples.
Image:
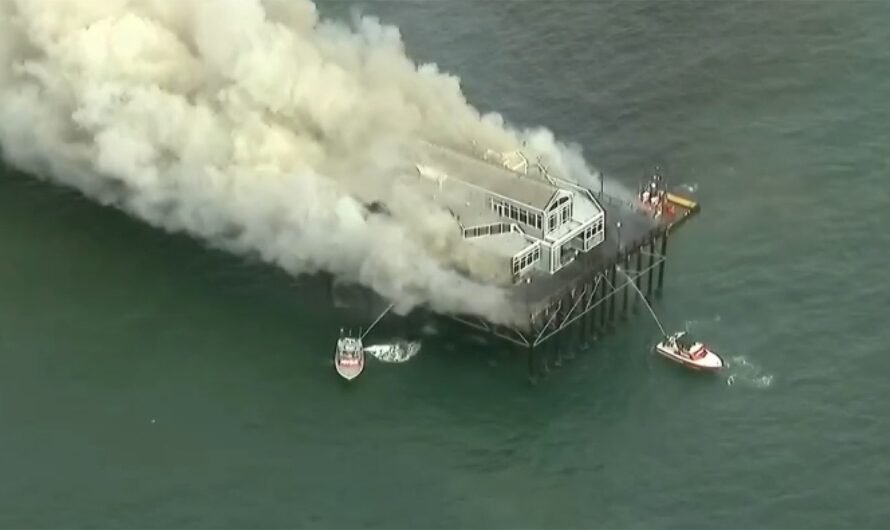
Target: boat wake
[(739, 371), (690, 324), (395, 352), (742, 372)]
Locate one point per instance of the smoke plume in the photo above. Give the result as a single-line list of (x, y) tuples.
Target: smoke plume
[(252, 124)]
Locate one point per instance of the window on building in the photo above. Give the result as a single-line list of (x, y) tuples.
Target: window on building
[(523, 262), (558, 203), (521, 215)]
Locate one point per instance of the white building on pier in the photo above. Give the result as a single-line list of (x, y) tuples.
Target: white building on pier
[(536, 221)]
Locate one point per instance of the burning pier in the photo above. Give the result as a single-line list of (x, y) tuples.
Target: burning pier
[(557, 245)]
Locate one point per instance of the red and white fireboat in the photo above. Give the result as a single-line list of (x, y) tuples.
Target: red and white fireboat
[(349, 356), (683, 349)]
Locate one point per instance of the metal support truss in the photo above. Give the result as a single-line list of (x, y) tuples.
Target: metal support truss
[(567, 310), (578, 310), (507, 333)]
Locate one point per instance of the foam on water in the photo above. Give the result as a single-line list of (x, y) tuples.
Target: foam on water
[(394, 352), (743, 372)]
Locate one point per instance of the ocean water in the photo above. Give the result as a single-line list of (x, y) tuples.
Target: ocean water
[(147, 382)]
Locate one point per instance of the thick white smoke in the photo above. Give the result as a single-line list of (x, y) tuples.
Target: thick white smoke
[(250, 124)]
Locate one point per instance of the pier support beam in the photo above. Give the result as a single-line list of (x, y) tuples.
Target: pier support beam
[(613, 272), (597, 307), (625, 280), (651, 268), (664, 246), (588, 318), (636, 303), (604, 309), (579, 342)]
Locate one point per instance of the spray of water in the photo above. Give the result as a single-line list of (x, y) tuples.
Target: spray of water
[(399, 351), (637, 289), (743, 372), (252, 125)]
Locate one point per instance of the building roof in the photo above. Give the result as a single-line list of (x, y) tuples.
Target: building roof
[(467, 205), (507, 244), (462, 184), (472, 171)]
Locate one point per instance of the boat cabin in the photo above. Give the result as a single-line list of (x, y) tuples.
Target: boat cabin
[(688, 346)]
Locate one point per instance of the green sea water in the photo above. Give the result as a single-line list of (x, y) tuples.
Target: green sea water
[(146, 382)]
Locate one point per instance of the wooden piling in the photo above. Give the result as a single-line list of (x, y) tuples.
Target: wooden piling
[(613, 272), (649, 283), (627, 280), (636, 302), (664, 243)]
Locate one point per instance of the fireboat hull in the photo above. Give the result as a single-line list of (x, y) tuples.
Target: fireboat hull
[(349, 369), (349, 357), (710, 362)]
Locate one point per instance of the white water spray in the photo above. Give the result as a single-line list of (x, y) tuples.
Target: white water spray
[(250, 124)]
